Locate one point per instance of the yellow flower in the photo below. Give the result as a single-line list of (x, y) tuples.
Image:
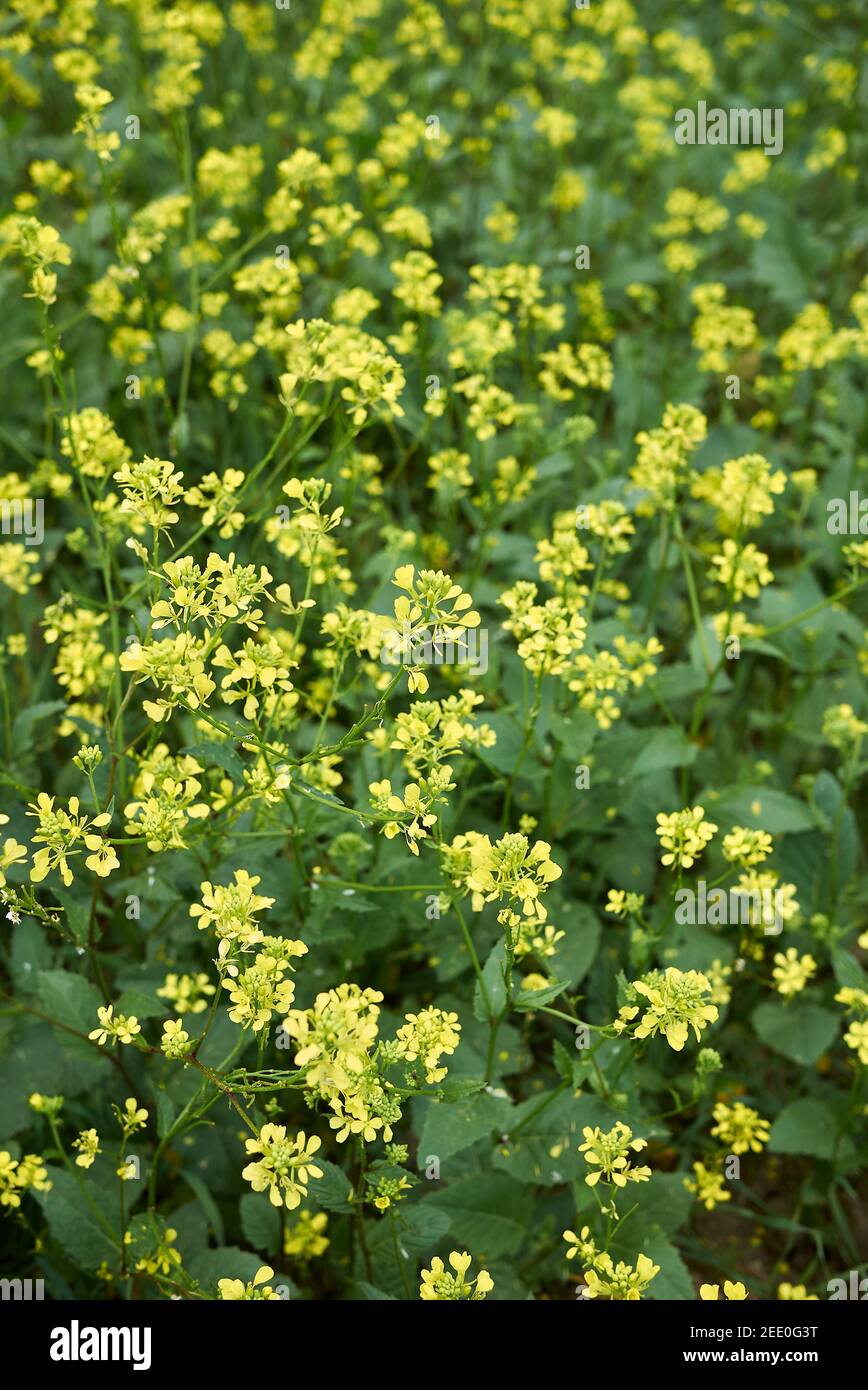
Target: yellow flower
[(856, 1037), (231, 911), (87, 1144), (621, 1282), (581, 1245), (746, 847), (842, 729), (438, 1285), (235, 1290), (622, 904), (118, 1029), (733, 1292), (45, 1105), (174, 1042), (792, 972), (677, 1002), (425, 1037), (61, 832), (187, 993), (150, 490), (664, 456), (162, 1258), (260, 990), (610, 1153), (285, 1167), (684, 835), (133, 1117), (511, 870), (306, 1238), (709, 1186), (742, 1129)]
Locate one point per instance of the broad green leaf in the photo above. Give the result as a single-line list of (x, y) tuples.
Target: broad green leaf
[(664, 748), (70, 999), (489, 1215), (758, 808), (804, 1127), (82, 1225), (801, 1031), (333, 1190), (577, 950), (448, 1129), (260, 1222), (227, 1262)]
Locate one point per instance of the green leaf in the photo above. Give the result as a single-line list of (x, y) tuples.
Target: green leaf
[(494, 975), (78, 920), (564, 1062), (29, 954), (837, 819), (489, 1215), (457, 1087), (529, 1160), (260, 1222), (758, 808), (774, 266), (528, 999), (421, 1227), (504, 754), (674, 683), (81, 1225), (36, 1063), (165, 1110), (663, 1201), (804, 1127), (141, 1005), (544, 1151), (220, 754), (227, 1262), (674, 1281), (22, 728), (333, 1190), (207, 1203), (577, 950), (575, 734), (800, 1031), (339, 900), (848, 971), (449, 1129), (665, 748), (70, 999)]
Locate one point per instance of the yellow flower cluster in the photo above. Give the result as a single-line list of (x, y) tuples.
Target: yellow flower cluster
[(439, 1285), (511, 870), (677, 1001)]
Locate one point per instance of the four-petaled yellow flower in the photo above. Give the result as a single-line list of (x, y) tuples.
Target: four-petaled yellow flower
[(438, 1285)]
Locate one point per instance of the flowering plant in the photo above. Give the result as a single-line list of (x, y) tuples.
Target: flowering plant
[(432, 651)]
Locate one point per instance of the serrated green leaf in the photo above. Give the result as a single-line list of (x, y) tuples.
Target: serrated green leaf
[(490, 1215), (447, 1129), (260, 1222), (82, 1225), (333, 1190), (70, 999)]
